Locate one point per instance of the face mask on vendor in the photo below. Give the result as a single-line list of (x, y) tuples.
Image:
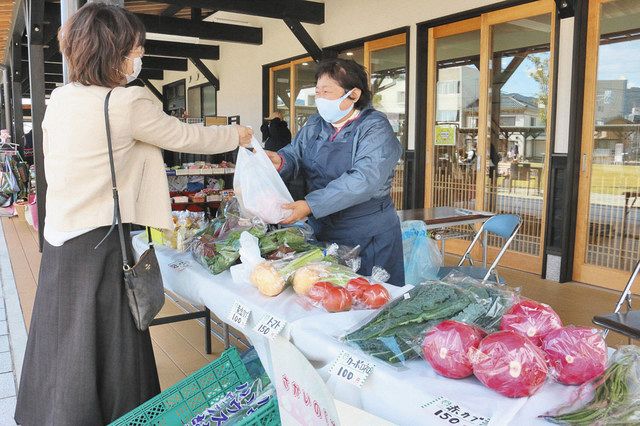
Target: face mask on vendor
[(329, 109)]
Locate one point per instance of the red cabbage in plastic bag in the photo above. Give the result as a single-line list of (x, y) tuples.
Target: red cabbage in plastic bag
[(575, 354), (446, 347), (509, 364), (531, 319)]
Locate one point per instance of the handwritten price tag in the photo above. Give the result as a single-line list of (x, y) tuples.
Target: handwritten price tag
[(179, 265), (351, 369), (447, 412), (270, 326), (239, 314)]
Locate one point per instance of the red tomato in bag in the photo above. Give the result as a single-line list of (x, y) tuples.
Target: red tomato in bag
[(510, 364), (375, 296), (531, 319), (357, 286), (337, 300), (319, 290), (446, 348), (575, 354)]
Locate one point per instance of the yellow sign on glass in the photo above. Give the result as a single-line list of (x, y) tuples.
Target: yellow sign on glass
[(445, 135)]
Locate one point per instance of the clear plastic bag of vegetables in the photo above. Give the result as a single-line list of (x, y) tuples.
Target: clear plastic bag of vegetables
[(217, 247), (272, 276), (396, 332), (336, 288), (613, 398)]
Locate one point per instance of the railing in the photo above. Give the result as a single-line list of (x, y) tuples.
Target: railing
[(397, 186)]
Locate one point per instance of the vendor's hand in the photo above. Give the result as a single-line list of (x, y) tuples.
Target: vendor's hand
[(275, 159), (299, 210), (245, 134)]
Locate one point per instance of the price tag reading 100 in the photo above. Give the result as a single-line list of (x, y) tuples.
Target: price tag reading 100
[(351, 369)]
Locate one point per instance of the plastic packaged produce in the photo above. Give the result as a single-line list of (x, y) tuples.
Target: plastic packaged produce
[(613, 398), (396, 332), (219, 253), (258, 186), (270, 277), (282, 242), (331, 297), (357, 293), (575, 354), (305, 277), (510, 364), (422, 257), (531, 319), (446, 348)]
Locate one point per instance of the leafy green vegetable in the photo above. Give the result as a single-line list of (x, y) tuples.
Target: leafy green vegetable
[(615, 399), (395, 333)]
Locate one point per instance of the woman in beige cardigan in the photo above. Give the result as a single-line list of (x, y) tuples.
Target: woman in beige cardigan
[(86, 363)]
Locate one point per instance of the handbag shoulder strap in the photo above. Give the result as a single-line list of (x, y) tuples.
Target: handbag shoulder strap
[(117, 220)]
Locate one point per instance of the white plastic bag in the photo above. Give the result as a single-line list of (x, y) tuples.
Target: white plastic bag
[(249, 258), (422, 258), (258, 186)]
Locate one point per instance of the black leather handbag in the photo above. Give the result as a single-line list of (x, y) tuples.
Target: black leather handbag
[(143, 281)]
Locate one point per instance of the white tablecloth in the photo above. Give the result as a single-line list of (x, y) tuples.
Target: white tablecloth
[(396, 394)]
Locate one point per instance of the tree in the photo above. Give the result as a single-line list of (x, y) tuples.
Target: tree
[(540, 73)]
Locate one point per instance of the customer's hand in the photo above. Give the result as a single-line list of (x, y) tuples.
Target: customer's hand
[(245, 135), (299, 211), (275, 159)]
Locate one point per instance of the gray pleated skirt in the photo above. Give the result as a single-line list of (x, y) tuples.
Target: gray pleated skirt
[(86, 363)]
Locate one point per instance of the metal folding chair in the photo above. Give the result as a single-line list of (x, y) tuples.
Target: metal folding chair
[(505, 226), (626, 323)]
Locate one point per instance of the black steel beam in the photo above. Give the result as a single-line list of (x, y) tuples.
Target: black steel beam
[(300, 10), (49, 78), (304, 38), (166, 64), (204, 30), (35, 34), (181, 50), (16, 87), (566, 8), (153, 89), (151, 75), (49, 67), (206, 72)]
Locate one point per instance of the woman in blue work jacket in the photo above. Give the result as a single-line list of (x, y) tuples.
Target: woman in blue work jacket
[(347, 154)]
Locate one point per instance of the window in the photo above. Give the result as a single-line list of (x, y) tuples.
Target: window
[(201, 101), (448, 87), (385, 59), (508, 121), (447, 115)]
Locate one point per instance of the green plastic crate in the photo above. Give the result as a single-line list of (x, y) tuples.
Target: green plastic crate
[(267, 415), (192, 395)]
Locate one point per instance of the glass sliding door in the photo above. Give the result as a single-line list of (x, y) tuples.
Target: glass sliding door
[(454, 124), (304, 89), (515, 158), (280, 91), (608, 229), (386, 61), (488, 94)]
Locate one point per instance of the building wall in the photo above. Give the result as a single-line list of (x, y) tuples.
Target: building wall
[(240, 66)]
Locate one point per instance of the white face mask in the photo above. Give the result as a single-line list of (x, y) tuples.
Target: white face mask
[(137, 67)]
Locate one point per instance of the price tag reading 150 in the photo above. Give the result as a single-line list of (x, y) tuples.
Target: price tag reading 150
[(351, 369), (239, 314), (269, 326)]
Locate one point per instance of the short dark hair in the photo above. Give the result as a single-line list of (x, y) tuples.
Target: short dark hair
[(95, 41), (350, 75)]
